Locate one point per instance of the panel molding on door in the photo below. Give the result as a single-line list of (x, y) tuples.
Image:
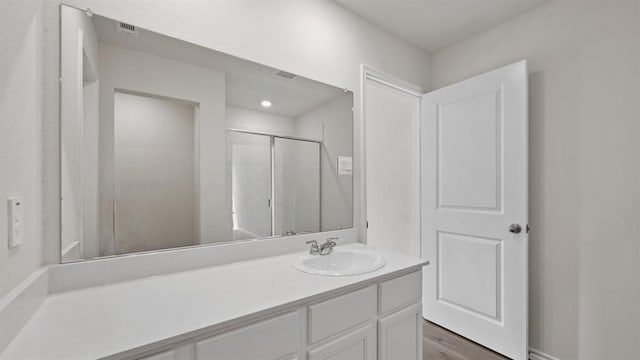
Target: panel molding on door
[(486, 301), (473, 186), (457, 183)]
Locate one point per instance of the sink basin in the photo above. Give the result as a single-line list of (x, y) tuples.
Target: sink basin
[(340, 263)]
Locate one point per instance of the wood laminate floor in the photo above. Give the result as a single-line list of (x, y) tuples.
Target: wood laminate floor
[(441, 344)]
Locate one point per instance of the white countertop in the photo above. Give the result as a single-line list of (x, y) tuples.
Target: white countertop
[(112, 319)]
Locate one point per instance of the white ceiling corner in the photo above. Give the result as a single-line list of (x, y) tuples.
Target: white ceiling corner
[(436, 24)]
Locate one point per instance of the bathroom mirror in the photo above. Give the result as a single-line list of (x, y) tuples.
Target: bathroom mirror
[(167, 144)]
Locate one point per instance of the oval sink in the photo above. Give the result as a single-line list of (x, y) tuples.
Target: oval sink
[(340, 263)]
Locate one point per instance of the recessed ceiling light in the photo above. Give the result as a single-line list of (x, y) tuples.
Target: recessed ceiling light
[(266, 103)]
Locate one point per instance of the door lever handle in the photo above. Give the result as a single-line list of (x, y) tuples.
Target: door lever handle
[(515, 228)]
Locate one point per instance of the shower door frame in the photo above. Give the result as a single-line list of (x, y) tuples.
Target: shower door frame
[(272, 141)]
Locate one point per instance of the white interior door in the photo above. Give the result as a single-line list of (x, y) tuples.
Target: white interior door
[(474, 187), (392, 140)]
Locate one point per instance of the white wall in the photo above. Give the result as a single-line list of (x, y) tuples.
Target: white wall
[(154, 161), (584, 201), (21, 134), (313, 38), (331, 123), (259, 121)]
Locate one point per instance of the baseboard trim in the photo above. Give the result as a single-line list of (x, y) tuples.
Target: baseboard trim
[(539, 355)]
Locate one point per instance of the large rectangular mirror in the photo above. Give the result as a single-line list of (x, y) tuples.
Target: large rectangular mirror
[(167, 144)]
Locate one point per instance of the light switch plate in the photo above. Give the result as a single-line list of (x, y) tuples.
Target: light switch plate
[(345, 165), (15, 207)]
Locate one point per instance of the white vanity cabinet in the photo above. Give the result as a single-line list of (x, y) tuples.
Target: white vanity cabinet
[(400, 318), (400, 334), (359, 344), (381, 321), (180, 353)]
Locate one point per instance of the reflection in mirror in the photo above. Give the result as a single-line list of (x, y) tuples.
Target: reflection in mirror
[(154, 172), (166, 144), (297, 186)]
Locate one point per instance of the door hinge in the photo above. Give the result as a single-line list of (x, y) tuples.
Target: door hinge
[(528, 228), (367, 224)]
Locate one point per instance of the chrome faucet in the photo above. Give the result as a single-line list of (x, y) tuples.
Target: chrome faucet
[(315, 250), (327, 247), (324, 249)]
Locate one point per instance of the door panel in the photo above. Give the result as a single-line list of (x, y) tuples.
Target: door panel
[(468, 147), (474, 185), (478, 292)]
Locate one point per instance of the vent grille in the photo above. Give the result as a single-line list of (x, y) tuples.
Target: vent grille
[(127, 29), (285, 75)]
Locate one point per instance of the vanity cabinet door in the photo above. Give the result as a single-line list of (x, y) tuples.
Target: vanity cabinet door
[(358, 345), (400, 335)]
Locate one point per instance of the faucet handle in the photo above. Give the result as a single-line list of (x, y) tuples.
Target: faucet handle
[(327, 247), (315, 249), (332, 240)]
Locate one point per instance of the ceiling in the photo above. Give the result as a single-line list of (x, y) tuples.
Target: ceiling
[(436, 24), (247, 83)]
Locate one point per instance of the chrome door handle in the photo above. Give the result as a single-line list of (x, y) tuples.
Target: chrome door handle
[(515, 228)]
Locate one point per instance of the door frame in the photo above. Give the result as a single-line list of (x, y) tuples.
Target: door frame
[(370, 73)]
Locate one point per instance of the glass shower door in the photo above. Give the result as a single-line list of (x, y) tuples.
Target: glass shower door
[(296, 186), (249, 169)]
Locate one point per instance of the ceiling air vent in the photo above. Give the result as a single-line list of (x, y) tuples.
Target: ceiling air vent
[(285, 75), (127, 29)]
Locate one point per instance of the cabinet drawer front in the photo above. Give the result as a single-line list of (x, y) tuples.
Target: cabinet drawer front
[(181, 353), (167, 355), (400, 291), (333, 316), (267, 340)]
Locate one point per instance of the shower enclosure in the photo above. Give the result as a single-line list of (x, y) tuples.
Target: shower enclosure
[(275, 184)]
